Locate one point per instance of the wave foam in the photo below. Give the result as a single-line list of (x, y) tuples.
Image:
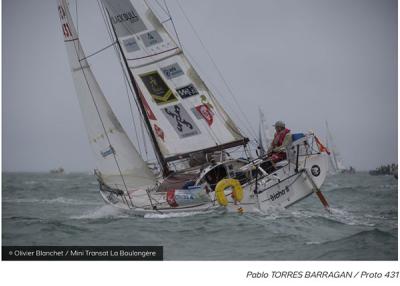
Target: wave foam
[(176, 214), (105, 211), (345, 217)]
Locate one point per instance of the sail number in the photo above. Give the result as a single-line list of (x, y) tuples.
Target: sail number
[(65, 26), (61, 11), (66, 30)]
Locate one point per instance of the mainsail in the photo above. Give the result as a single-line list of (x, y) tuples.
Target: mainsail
[(182, 115), (117, 159)]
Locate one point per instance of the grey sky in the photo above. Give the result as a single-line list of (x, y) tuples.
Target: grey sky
[(303, 62)]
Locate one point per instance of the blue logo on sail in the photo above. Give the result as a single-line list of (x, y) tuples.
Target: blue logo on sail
[(109, 151)]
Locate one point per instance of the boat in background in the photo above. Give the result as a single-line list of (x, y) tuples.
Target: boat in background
[(192, 135), (336, 165), (59, 170)]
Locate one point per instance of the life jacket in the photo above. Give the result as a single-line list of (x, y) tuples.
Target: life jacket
[(279, 137), (277, 142)]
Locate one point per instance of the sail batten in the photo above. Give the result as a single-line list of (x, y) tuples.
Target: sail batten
[(182, 113)]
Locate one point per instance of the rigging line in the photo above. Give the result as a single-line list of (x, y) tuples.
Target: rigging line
[(149, 132), (173, 24), (76, 12), (209, 82), (152, 55), (125, 71), (166, 20), (127, 86), (215, 65), (125, 81), (144, 141), (133, 119), (99, 51), (217, 91), (98, 113), (162, 8)]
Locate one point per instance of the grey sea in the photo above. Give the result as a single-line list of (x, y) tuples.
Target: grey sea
[(49, 209)]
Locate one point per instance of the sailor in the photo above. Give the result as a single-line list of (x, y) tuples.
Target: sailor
[(282, 139), (277, 150)]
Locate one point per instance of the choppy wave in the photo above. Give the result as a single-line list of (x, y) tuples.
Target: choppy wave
[(347, 218), (59, 200), (31, 182), (175, 215), (358, 246), (335, 215), (103, 212), (362, 224)]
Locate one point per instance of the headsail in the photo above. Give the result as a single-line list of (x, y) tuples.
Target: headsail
[(182, 114), (118, 161)]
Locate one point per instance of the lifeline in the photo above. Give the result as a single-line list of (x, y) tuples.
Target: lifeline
[(328, 274)]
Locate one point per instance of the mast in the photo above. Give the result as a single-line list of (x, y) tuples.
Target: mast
[(160, 158)]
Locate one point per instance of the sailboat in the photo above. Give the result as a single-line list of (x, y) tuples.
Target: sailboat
[(335, 161), (190, 132)]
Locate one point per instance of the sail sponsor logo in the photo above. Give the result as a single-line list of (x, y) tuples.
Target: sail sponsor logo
[(159, 132), (124, 17), (206, 113), (187, 91), (66, 31), (157, 88), (107, 152), (131, 45), (205, 101), (149, 112), (64, 25), (180, 121), (172, 71), (151, 38), (130, 16)]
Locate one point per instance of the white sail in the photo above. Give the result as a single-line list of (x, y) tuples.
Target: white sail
[(118, 161), (336, 164), (182, 113), (265, 133)]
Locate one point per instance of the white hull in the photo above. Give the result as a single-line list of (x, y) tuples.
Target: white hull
[(280, 189)]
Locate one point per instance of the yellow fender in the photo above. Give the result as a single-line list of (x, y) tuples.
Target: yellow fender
[(237, 193)]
